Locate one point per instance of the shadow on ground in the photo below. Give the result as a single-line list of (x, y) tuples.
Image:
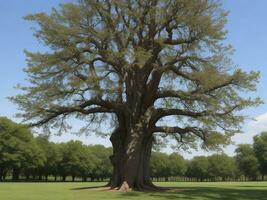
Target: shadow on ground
[(195, 193), (204, 193), (88, 188)]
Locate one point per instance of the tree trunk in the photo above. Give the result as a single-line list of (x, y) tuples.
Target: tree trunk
[(84, 178), (4, 175), (1, 174), (15, 174), (46, 177), (116, 159), (130, 159), (27, 176), (132, 140)]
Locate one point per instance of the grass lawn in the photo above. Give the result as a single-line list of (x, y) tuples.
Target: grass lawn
[(81, 191)]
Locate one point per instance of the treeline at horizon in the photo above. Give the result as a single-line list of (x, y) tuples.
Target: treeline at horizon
[(24, 157)]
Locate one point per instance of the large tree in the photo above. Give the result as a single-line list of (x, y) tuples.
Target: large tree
[(137, 62)]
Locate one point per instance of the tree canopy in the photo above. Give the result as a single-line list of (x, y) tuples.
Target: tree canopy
[(18, 149), (247, 161), (198, 167), (221, 165)]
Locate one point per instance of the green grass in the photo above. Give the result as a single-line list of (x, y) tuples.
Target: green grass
[(81, 191)]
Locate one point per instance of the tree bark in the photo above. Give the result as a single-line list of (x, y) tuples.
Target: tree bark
[(132, 140), (130, 160), (116, 159)]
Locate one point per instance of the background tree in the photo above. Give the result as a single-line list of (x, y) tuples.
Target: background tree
[(51, 156), (137, 62), (159, 165), (177, 165), (19, 150), (221, 166), (198, 168), (73, 156), (55, 163), (103, 168), (247, 161), (88, 162), (260, 149)]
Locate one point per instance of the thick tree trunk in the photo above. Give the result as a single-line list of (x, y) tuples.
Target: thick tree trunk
[(132, 141), (130, 159), (116, 159)]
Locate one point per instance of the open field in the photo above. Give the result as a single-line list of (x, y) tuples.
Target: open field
[(82, 191)]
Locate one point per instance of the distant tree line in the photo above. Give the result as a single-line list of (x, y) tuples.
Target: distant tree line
[(249, 163), (37, 159), (28, 158)]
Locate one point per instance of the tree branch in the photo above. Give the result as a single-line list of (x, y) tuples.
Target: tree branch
[(102, 107), (181, 131)]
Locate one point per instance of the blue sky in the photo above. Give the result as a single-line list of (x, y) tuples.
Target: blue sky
[(247, 26)]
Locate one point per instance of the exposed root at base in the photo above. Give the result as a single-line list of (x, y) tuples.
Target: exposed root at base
[(140, 188)]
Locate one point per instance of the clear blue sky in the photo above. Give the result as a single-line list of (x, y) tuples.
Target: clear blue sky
[(247, 26)]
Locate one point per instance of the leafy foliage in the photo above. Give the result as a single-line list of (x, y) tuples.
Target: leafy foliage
[(198, 167), (247, 161), (18, 148), (260, 149), (148, 60)]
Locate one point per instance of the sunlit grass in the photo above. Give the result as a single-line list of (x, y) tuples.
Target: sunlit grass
[(84, 191)]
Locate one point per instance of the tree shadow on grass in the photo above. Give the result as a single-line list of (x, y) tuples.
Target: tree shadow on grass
[(252, 186), (90, 187), (203, 193)]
